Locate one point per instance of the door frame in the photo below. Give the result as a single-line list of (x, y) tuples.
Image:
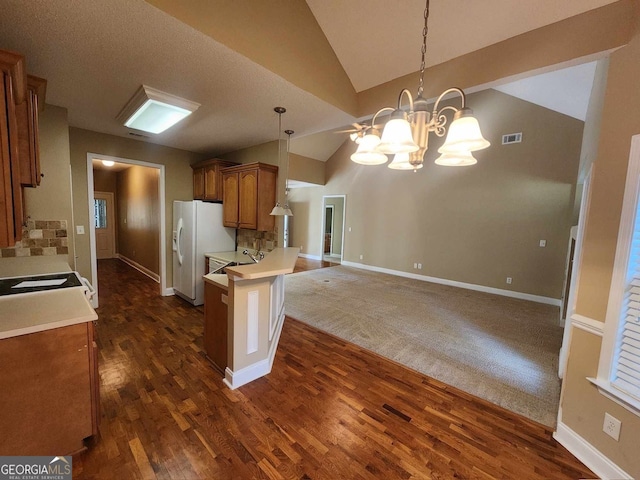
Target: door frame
[(162, 212), (344, 220), (110, 218)]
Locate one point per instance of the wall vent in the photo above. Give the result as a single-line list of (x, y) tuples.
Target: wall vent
[(511, 138)]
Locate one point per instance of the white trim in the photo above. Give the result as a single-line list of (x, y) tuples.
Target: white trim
[(259, 369), (344, 219), (167, 292), (623, 246), (162, 212), (587, 324), (141, 268), (311, 257), (452, 283), (593, 459), (253, 307), (621, 398)]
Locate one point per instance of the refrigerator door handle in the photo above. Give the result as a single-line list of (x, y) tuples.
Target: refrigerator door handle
[(179, 230)]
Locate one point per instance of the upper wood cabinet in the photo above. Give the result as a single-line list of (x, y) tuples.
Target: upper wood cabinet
[(13, 91), (207, 179), (249, 196), (27, 118)]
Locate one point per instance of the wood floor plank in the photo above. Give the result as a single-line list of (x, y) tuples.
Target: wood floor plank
[(329, 409)]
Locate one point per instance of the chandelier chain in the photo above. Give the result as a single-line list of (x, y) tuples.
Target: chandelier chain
[(425, 30)]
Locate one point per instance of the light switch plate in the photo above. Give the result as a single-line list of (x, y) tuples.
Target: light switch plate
[(80, 229)]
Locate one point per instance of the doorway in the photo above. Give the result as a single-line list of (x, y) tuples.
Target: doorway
[(156, 214), (333, 218)]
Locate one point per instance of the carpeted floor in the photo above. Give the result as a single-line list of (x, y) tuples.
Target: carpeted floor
[(501, 349)]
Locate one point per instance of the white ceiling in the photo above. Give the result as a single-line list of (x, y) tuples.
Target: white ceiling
[(96, 54)]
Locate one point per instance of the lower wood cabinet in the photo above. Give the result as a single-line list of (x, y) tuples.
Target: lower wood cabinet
[(49, 391), (215, 325)]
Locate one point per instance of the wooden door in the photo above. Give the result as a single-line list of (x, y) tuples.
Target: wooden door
[(104, 225), (248, 187), (230, 200)]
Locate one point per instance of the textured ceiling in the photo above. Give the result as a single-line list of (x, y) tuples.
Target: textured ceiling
[(96, 54)]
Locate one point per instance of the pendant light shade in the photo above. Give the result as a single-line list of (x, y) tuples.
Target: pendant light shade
[(397, 136), (367, 152), (460, 159), (277, 210), (464, 134), (401, 162)]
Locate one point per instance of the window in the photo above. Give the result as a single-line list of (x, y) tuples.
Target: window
[(100, 212), (619, 368)]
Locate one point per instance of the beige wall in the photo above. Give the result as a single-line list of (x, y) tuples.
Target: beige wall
[(305, 227), (52, 199), (477, 224), (583, 408), (306, 169), (139, 216), (178, 181)]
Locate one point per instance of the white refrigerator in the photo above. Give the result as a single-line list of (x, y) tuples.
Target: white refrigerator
[(197, 229)]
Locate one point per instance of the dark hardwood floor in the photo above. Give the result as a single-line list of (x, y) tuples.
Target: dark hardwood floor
[(328, 410)]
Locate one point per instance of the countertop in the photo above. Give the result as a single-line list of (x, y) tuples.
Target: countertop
[(233, 256), (277, 262), (36, 265), (218, 279), (35, 312)]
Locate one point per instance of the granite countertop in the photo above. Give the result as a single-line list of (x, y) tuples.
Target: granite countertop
[(277, 262)]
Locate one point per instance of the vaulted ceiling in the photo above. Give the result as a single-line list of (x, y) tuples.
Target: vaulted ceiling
[(241, 59)]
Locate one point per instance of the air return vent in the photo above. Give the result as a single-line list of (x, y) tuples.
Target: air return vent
[(511, 138)]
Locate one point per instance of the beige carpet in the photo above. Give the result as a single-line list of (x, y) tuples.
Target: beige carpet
[(498, 348)]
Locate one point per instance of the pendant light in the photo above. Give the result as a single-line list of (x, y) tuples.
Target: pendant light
[(408, 132), (287, 210), (278, 210)]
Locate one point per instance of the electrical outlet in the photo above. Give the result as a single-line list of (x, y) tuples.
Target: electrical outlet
[(611, 426), (80, 229), (349, 228), (301, 248), (419, 266), (415, 265), (509, 280), (543, 243), (361, 256)]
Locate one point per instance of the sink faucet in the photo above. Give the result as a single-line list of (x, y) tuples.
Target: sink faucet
[(255, 257)]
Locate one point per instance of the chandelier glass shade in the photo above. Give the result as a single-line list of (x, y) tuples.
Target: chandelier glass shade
[(406, 133)]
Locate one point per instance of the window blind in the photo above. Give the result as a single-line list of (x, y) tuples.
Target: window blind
[(626, 367)]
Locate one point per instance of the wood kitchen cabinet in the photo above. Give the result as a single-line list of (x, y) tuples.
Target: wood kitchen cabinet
[(49, 391), (27, 118), (13, 90), (249, 195), (215, 325), (207, 179)]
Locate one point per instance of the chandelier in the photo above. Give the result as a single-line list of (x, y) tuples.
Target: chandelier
[(406, 134)]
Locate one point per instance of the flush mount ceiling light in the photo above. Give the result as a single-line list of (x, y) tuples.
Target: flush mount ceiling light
[(108, 163), (406, 134), (153, 111)]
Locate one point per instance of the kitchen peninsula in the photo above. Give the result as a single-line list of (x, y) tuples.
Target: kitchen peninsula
[(244, 314)]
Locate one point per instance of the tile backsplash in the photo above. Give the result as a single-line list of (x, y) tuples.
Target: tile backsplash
[(264, 241), (40, 237)]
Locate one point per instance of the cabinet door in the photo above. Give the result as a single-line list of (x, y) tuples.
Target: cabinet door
[(248, 215), (230, 199), (198, 184), (267, 185), (6, 190), (215, 326), (28, 135), (211, 183)]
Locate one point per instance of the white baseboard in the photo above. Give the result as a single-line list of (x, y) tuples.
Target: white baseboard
[(153, 276), (259, 369), (452, 283), (588, 454), (311, 257), (168, 292)]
